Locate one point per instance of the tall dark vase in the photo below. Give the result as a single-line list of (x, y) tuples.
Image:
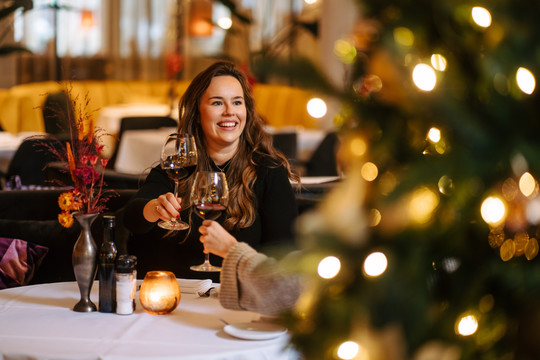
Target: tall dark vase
[(85, 262)]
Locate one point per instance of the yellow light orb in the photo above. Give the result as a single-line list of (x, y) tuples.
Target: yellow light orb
[(424, 77), (438, 62), (310, 2), (525, 80), (423, 202), (375, 217), (493, 210), (224, 22), (403, 36), (349, 350), (369, 171), (434, 135), (527, 184), (316, 107), (375, 264), (481, 16), (467, 325), (329, 267), (345, 51)]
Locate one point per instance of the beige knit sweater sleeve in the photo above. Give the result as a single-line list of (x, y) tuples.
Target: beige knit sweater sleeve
[(252, 281)]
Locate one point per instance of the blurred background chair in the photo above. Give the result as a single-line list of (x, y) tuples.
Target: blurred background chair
[(29, 163), (287, 143), (140, 123), (57, 110), (323, 161)]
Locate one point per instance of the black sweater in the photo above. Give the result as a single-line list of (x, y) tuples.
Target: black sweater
[(158, 249)]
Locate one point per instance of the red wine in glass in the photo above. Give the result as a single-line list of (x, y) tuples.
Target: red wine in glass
[(209, 211), (210, 196), (178, 160)]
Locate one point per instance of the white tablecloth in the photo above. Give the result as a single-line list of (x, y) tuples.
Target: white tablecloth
[(140, 150), (110, 117), (38, 323)]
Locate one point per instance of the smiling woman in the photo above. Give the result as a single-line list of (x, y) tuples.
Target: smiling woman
[(218, 109)]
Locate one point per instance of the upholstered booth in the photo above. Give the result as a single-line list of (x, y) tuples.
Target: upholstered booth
[(21, 107)]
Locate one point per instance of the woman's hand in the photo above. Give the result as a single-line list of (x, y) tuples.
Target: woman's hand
[(165, 207), (215, 238)]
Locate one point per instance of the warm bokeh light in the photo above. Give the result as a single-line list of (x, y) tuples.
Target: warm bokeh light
[(438, 62), (467, 325), (374, 217), (345, 51), (357, 146), (422, 204), (316, 107), (310, 2), (445, 185), (481, 16), (329, 267), (350, 350), (527, 184), (403, 36), (493, 210), (525, 80), (424, 77), (375, 264), (434, 135), (369, 171), (224, 22)]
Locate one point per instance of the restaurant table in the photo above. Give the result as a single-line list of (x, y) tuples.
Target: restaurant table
[(110, 117), (38, 324)]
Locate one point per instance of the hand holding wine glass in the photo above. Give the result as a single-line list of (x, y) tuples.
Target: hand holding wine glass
[(178, 160), (210, 196)]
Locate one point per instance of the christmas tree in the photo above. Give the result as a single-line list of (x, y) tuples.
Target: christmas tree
[(427, 249)]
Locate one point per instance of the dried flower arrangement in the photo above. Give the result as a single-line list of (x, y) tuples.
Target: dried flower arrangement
[(81, 157)]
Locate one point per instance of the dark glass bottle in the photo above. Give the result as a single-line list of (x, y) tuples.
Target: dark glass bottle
[(107, 258)]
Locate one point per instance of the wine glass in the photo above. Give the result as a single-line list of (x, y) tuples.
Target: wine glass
[(179, 160), (210, 196)]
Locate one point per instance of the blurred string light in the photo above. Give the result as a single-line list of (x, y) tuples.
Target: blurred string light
[(403, 36), (375, 217), (528, 185), (423, 203), (329, 267), (525, 80), (493, 210), (224, 22), (424, 77), (481, 16), (351, 350), (434, 135), (345, 51), (375, 264), (316, 108), (467, 325), (438, 62), (369, 171)]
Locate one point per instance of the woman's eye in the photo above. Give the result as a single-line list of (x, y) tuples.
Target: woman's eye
[(238, 102), (217, 102)]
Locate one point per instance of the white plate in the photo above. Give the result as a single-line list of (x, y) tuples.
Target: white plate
[(255, 330)]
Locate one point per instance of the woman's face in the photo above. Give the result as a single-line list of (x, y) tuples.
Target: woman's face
[(223, 112)]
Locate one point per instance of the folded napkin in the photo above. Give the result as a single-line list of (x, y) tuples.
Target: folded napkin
[(194, 286)]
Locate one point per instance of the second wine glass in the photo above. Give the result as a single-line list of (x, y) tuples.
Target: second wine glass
[(178, 160), (210, 197)]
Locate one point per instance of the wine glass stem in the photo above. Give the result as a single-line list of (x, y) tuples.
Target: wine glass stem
[(207, 258), (176, 192)]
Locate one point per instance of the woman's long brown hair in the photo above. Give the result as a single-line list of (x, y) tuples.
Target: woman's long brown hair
[(254, 140)]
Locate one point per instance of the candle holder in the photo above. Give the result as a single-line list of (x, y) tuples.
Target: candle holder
[(159, 293)]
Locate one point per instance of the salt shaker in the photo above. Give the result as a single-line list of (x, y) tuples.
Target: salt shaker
[(126, 284)]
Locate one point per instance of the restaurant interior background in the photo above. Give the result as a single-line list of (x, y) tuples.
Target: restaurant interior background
[(427, 247)]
